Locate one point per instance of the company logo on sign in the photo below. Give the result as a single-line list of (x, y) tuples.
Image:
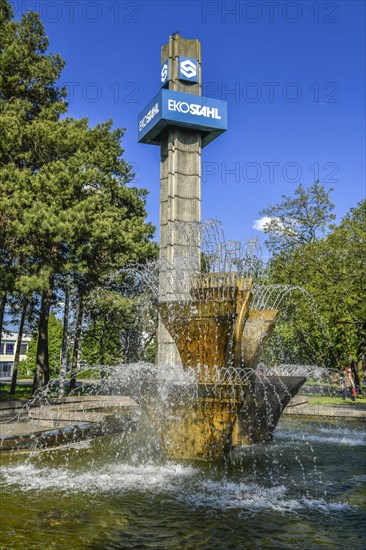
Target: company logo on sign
[(164, 75), (170, 108), (188, 69), (149, 116), (164, 72), (193, 109)]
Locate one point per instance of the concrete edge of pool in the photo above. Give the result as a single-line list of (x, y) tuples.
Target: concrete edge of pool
[(62, 421)]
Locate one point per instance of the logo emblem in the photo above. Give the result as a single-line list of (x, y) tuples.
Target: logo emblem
[(164, 74), (188, 69)]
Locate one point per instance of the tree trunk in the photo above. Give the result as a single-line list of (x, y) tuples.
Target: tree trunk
[(64, 347), (102, 346), (75, 351), (17, 351), (361, 349), (103, 373), (361, 353), (2, 312), (42, 365)]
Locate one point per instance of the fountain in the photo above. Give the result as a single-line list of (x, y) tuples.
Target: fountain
[(219, 339), (206, 323), (205, 396), (207, 332), (219, 321)]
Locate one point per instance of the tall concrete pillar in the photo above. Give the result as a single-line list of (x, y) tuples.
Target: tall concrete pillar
[(180, 121), (180, 192)]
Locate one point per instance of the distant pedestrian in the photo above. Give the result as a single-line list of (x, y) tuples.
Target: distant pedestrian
[(347, 385), (356, 378)]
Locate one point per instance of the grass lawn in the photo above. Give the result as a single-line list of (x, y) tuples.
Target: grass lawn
[(328, 400), (312, 382), (21, 392)]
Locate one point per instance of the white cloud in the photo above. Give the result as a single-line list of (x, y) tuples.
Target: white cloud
[(259, 224)]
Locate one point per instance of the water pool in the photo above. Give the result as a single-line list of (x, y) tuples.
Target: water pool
[(304, 490)]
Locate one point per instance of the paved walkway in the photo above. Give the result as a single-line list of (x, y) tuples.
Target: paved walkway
[(62, 419)]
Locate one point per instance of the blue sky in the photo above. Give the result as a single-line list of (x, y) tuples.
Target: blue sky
[(293, 74)]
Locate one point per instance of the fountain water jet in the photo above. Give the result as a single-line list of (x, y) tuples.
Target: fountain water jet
[(219, 339)]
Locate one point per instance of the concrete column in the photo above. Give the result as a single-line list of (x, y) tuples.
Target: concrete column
[(180, 193)]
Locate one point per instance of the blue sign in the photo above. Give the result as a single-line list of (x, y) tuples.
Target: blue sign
[(169, 108), (164, 74), (150, 117), (188, 69)]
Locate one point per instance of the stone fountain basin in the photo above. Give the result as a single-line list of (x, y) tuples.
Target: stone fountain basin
[(194, 421), (60, 421)]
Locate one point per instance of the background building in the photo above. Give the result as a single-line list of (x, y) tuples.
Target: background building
[(7, 352)]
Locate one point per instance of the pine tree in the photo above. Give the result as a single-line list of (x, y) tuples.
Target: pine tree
[(65, 203)]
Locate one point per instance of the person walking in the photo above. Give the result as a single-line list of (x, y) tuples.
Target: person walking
[(356, 378), (348, 385)]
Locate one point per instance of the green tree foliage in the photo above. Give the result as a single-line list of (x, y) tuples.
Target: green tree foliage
[(332, 270), (299, 219), (29, 100), (28, 75), (65, 203), (27, 366), (121, 324), (27, 91), (110, 318)]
